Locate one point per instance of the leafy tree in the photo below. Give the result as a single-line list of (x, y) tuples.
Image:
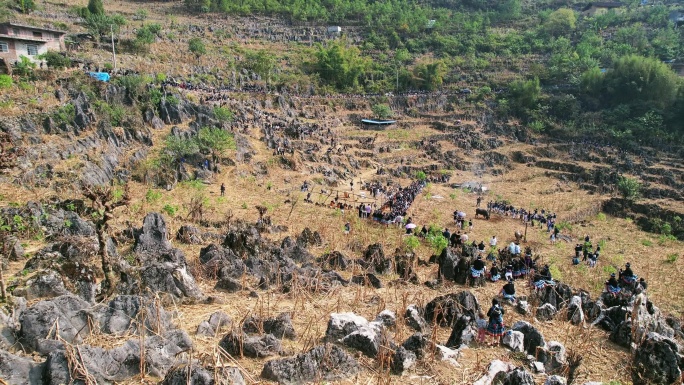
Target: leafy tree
[(179, 147), (382, 111), (95, 7), (261, 62), (215, 140), (26, 6), (560, 22), (223, 114), (429, 76), (629, 188), (640, 82), (55, 60), (100, 25), (340, 65), (196, 47), (523, 96)]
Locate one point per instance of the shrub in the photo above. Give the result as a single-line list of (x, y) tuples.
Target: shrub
[(601, 216), (55, 59), (223, 114), (169, 209), (420, 175), (6, 81), (647, 243), (411, 242), (152, 196)]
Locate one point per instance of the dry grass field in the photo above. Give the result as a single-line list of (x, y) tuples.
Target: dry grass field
[(658, 260)]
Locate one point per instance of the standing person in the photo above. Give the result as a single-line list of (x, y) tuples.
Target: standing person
[(481, 327), (347, 228), (495, 327), (470, 225), (223, 189), (479, 200), (493, 241)]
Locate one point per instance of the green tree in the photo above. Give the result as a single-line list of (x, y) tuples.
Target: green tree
[(26, 6), (560, 22), (95, 7), (629, 188), (340, 65), (215, 140), (100, 25), (223, 114), (24, 67), (196, 47), (523, 96), (261, 62), (179, 147), (429, 76), (382, 111)]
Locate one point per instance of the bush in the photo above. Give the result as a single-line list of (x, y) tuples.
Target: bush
[(223, 114), (152, 196), (420, 175), (55, 60), (169, 209), (672, 258), (411, 242), (6, 81)]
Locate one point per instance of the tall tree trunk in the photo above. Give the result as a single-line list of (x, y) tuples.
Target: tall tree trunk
[(3, 294), (109, 277)]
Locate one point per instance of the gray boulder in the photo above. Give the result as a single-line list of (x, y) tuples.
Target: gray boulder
[(153, 237), (546, 312), (217, 321), (228, 284), (556, 357), (343, 324), (555, 380), (280, 326), (198, 375), (38, 321), (445, 309), (523, 307), (120, 363), (322, 363), (416, 321), (575, 312), (518, 376), (416, 344), (514, 340), (16, 370), (533, 338), (402, 360), (122, 315), (387, 318), (657, 361), (462, 333), (248, 346), (46, 284), (366, 339)]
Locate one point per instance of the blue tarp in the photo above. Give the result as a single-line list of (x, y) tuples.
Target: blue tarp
[(378, 122), (101, 76)]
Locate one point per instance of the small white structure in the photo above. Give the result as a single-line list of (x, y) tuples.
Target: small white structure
[(334, 30)]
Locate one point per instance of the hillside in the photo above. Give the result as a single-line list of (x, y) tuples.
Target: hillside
[(124, 261)]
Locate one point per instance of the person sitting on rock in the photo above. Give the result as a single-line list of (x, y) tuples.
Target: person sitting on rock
[(543, 278), (642, 285), (627, 276), (477, 270), (612, 285), (508, 291), (509, 272), (494, 274), (495, 327), (575, 260)]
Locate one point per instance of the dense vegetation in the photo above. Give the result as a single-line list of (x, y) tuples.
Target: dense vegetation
[(600, 75)]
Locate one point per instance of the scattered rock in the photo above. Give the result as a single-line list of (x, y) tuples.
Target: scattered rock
[(414, 320), (523, 307), (518, 376), (17, 370), (198, 375), (462, 333), (343, 324), (325, 362), (449, 355), (656, 361), (555, 380), (189, 235), (281, 326), (546, 312), (367, 279), (575, 312), (556, 357), (444, 310), (217, 321), (494, 368), (387, 318), (367, 339), (416, 344), (228, 284), (47, 284), (533, 338), (37, 321), (253, 347), (514, 340), (402, 360)]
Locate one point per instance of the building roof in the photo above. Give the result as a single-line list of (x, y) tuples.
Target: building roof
[(23, 38), (13, 24), (604, 4)]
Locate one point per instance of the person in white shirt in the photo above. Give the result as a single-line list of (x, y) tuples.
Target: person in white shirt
[(492, 242)]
